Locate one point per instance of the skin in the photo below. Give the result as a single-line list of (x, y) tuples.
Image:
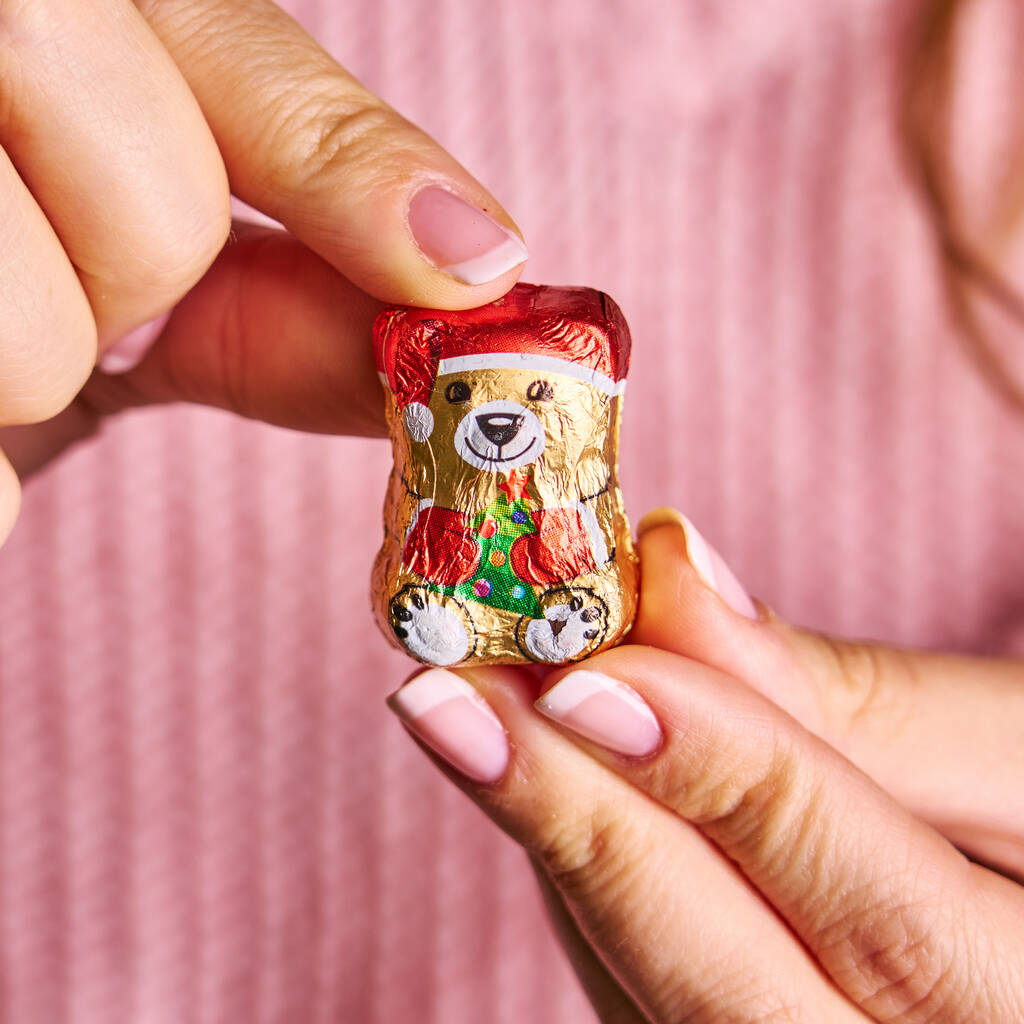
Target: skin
[(789, 851), (116, 207), (782, 750)]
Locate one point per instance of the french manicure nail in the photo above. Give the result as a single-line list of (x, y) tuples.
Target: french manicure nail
[(461, 239), (128, 351), (604, 710), (445, 712), (708, 563)]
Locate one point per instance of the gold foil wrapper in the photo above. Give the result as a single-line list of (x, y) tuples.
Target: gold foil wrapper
[(505, 536)]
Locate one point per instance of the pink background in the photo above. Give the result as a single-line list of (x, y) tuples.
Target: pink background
[(206, 812)]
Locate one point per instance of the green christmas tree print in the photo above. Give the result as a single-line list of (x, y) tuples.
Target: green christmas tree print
[(494, 583)]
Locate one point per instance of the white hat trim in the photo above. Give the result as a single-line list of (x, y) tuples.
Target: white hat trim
[(530, 361)]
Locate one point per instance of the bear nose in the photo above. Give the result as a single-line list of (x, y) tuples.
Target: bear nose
[(499, 427)]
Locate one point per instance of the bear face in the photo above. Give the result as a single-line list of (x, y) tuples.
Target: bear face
[(486, 423)]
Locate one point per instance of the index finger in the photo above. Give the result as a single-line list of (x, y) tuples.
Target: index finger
[(903, 923), (306, 143), (681, 931), (110, 142)]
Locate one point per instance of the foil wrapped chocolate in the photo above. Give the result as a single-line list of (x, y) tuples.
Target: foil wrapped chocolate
[(505, 536)]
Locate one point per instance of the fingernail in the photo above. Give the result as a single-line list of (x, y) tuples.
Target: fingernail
[(603, 710), (708, 563), (127, 352), (456, 723), (460, 239)]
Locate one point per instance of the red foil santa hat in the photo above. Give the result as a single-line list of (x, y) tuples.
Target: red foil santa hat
[(576, 332)]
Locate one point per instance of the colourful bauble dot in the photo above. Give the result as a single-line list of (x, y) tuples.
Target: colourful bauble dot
[(519, 516), (481, 588), (518, 592), (497, 559), (488, 528)]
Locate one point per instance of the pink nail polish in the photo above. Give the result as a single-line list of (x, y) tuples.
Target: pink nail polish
[(460, 239), (128, 351), (445, 712), (708, 563), (604, 710)]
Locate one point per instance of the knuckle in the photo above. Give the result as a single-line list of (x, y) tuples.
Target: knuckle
[(177, 253), (326, 133), (752, 794), (46, 392), (584, 853), (47, 343), (868, 679), (766, 805), (897, 958), (44, 405), (40, 405), (350, 137)]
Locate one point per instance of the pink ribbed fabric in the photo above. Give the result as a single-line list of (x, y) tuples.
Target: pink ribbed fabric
[(207, 815)]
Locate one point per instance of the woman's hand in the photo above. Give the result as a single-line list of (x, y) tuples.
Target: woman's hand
[(706, 856), (124, 128), (940, 732)]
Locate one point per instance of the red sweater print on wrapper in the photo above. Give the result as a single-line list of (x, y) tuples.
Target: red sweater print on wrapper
[(506, 538)]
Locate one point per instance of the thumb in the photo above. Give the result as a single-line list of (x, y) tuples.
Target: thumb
[(271, 332), (940, 732), (306, 143)]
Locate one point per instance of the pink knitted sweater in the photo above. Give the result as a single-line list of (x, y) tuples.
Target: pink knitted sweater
[(207, 815)]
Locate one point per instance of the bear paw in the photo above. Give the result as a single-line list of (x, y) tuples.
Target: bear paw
[(433, 628), (574, 625)]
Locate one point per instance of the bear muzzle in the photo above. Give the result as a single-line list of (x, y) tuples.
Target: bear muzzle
[(499, 428)]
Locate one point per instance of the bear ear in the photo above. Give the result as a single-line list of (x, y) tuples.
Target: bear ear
[(419, 421)]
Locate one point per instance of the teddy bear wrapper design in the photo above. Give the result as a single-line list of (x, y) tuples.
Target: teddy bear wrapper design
[(505, 536)]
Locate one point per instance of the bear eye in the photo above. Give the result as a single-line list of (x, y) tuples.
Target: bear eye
[(457, 391), (540, 391)]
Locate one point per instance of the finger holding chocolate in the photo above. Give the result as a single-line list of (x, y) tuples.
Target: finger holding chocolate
[(506, 539)]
